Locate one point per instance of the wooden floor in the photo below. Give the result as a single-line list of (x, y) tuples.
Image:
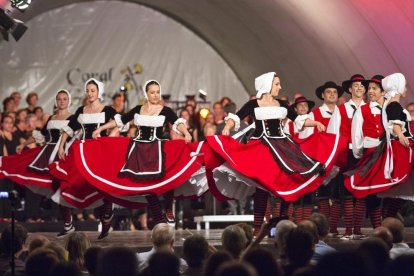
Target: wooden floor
[(141, 240)]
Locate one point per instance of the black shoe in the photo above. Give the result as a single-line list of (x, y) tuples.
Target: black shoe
[(106, 228), (66, 230), (169, 221)]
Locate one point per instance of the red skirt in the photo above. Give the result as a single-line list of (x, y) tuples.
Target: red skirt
[(74, 190), (364, 182), (16, 168), (99, 162), (255, 161)]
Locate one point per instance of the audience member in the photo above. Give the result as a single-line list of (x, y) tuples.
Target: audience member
[(341, 264), (384, 234), (77, 243), (195, 251), (15, 245), (163, 263), (41, 262), (115, 261), (65, 269), (299, 249), (396, 228), (37, 242), (233, 240), (31, 99), (375, 254), (162, 237), (214, 262), (91, 259), (321, 247), (263, 261), (234, 268)]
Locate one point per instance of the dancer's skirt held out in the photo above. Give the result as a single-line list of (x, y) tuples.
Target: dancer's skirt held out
[(100, 161), (280, 166), (369, 175)]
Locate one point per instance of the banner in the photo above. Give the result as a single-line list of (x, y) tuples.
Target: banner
[(118, 43)]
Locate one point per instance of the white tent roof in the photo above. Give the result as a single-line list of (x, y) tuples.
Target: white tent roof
[(306, 42)]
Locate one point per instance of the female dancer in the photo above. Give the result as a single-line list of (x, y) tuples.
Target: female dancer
[(146, 165), (74, 190), (29, 168), (271, 160)]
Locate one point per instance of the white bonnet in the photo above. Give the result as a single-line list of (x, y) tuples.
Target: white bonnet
[(145, 87), (65, 91), (263, 83), (100, 85), (393, 84)]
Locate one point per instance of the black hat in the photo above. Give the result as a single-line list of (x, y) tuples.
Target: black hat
[(329, 84), (357, 77), (311, 104), (376, 79)]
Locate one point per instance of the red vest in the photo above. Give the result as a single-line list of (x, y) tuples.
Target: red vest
[(292, 130), (372, 126), (345, 128), (411, 126), (318, 117)]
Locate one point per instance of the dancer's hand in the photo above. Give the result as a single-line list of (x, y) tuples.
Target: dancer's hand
[(226, 131), (96, 134), (320, 127), (403, 140), (188, 138), (61, 153), (19, 149)]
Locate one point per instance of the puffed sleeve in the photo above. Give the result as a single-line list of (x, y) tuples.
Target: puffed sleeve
[(110, 113), (307, 131), (122, 120), (395, 116), (73, 123), (170, 115), (246, 110)]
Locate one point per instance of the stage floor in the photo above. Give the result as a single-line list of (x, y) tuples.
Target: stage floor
[(141, 240)]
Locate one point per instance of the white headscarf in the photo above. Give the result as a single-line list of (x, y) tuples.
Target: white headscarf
[(65, 91), (144, 88), (100, 85), (393, 84), (263, 83)]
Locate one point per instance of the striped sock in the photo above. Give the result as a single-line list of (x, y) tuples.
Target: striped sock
[(335, 216), (375, 216), (359, 215), (154, 206), (348, 215), (259, 208), (324, 207)]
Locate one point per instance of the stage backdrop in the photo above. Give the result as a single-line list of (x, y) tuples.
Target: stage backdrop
[(112, 41)]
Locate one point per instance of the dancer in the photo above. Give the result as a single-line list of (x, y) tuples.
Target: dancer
[(74, 190), (271, 161), (141, 169)]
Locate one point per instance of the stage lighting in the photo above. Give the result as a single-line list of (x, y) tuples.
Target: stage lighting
[(203, 94), (204, 112), (21, 5), (11, 26)]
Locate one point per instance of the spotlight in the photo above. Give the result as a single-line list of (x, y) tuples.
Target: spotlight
[(9, 25), (21, 5), (189, 97), (204, 112), (203, 94)]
